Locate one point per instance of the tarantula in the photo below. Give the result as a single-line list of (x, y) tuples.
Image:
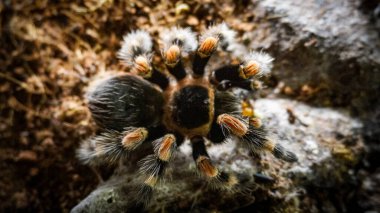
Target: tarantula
[(167, 109)]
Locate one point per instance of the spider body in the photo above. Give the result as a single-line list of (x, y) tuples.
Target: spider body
[(126, 99), (190, 107), (148, 106)]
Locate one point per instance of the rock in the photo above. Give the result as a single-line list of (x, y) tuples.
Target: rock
[(324, 140), (331, 46)]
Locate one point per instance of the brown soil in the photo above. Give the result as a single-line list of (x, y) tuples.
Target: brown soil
[(49, 52)]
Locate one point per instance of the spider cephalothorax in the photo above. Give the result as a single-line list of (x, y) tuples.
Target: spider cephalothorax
[(167, 108)]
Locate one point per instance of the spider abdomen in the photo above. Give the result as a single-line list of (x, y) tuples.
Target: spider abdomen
[(124, 101)]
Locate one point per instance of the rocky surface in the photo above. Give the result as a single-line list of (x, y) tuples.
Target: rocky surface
[(325, 141), (328, 50)]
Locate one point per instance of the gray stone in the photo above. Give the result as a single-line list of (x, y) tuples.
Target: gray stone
[(330, 45)]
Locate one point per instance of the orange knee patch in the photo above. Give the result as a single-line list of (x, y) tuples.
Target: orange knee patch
[(208, 46), (205, 166), (172, 55), (134, 138), (166, 147), (235, 125), (250, 69), (142, 67)]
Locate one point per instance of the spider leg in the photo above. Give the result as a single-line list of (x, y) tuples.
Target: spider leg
[(111, 146), (199, 63), (254, 65), (158, 78), (229, 76), (142, 66), (227, 102), (177, 41), (136, 53), (214, 36), (227, 72), (216, 134), (173, 61), (250, 85), (153, 166), (255, 137), (217, 178), (205, 50)]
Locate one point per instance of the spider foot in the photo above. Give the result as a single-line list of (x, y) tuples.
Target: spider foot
[(153, 166), (252, 133), (215, 177), (111, 146)]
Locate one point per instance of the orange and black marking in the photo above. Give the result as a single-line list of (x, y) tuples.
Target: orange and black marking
[(204, 52), (202, 159), (206, 167), (217, 178), (166, 147), (172, 55), (142, 66), (187, 116), (235, 75), (153, 167), (233, 124), (250, 69), (208, 46), (134, 138), (173, 61)]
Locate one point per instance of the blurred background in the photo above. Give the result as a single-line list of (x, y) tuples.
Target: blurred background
[(327, 54)]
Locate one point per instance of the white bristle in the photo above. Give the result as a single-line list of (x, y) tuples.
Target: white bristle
[(86, 152), (264, 61), (106, 147), (135, 43), (184, 35), (222, 32)]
